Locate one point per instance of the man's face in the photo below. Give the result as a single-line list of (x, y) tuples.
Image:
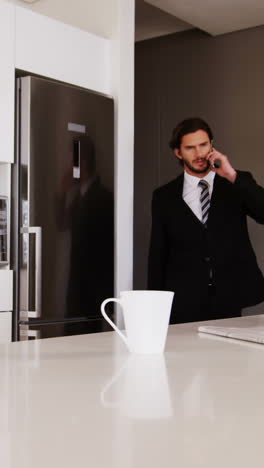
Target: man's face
[(193, 151)]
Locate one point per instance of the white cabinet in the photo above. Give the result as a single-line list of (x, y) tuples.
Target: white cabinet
[(6, 305), (7, 77), (6, 290), (5, 327)]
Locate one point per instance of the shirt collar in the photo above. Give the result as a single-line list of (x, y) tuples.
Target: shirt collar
[(194, 180)]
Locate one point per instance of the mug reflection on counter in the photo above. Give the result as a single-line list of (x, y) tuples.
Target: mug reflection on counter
[(140, 389)]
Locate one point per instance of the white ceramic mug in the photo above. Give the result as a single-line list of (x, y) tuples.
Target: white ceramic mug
[(146, 317)]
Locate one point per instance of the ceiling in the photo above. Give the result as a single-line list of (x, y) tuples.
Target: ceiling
[(95, 16), (152, 22), (154, 17), (215, 16)]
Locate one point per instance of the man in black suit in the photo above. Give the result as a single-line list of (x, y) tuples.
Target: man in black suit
[(200, 247)]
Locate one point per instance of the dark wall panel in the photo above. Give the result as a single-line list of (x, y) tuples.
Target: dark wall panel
[(193, 74)]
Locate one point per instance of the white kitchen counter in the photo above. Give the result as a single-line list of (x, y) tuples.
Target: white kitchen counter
[(84, 402)]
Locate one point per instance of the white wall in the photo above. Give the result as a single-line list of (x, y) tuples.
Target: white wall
[(123, 90), (7, 57), (7, 32), (47, 47)]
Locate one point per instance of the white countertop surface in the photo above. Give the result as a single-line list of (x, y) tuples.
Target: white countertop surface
[(84, 401)]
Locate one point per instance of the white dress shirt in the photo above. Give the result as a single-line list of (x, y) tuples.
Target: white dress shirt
[(191, 191)]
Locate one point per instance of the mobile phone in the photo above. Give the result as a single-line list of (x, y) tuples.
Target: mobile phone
[(217, 162)]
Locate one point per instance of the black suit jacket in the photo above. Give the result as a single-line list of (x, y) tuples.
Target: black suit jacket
[(184, 254)]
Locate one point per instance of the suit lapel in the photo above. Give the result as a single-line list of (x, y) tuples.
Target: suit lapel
[(217, 203), (181, 206), (216, 198)]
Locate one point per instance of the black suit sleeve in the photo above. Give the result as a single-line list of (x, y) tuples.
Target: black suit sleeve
[(158, 251), (252, 195)]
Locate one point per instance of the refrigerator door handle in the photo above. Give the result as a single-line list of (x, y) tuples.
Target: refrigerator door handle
[(37, 230), (76, 159)]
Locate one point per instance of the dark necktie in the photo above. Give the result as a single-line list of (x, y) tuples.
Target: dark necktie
[(205, 200)]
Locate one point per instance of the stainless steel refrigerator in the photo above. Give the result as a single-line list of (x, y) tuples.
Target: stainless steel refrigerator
[(62, 209)]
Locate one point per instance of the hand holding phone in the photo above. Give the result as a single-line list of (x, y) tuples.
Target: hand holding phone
[(217, 162), (221, 165)]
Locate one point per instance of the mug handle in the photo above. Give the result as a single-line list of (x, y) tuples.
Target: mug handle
[(113, 299)]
